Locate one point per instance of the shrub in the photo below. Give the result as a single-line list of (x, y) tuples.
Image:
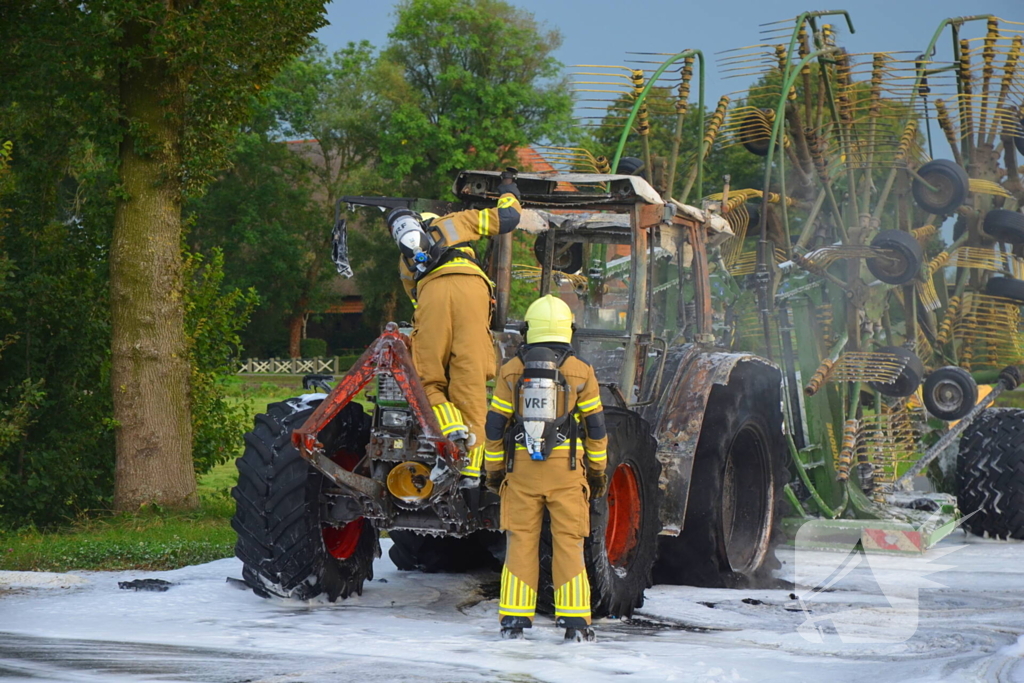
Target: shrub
[(313, 348)]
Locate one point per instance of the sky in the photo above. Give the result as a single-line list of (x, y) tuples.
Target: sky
[(603, 31)]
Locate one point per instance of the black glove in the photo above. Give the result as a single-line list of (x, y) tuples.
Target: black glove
[(508, 183), (509, 188), (598, 482), (494, 479)]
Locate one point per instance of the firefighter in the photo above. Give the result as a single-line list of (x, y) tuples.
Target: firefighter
[(546, 430), (451, 339)]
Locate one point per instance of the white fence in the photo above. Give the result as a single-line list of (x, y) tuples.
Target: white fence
[(289, 366)]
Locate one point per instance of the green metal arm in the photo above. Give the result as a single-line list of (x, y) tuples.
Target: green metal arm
[(643, 96)]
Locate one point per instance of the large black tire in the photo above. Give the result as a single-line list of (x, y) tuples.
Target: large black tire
[(278, 512), (734, 511), (951, 185), (1005, 226), (623, 542), (990, 474), (910, 377), (431, 554), (908, 257)]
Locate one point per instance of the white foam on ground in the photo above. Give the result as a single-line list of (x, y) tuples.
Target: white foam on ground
[(39, 580), (435, 627)]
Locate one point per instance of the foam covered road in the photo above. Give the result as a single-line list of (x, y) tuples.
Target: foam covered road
[(955, 615)]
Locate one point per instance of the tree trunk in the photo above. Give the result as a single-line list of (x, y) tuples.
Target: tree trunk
[(295, 325), (149, 361), (295, 336)]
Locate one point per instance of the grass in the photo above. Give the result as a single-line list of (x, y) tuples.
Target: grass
[(151, 539)]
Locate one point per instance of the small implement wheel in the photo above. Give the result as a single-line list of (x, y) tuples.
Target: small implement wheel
[(990, 474), (951, 186), (910, 377), (755, 131), (950, 393), (568, 257), (1006, 287), (1005, 226), (630, 166), (903, 260)]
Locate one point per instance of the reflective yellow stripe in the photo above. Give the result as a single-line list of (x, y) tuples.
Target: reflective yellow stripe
[(598, 455), (506, 201), (572, 599), (484, 222), (460, 262), (518, 599), (476, 457), (494, 456), (500, 406), (588, 406)]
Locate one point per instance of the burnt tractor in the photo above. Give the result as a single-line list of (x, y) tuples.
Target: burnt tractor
[(697, 455)]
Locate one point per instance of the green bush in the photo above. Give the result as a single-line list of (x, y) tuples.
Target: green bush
[(213, 319), (313, 348)]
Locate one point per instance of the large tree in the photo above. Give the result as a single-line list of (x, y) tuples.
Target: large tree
[(483, 84), (173, 80), (277, 201)]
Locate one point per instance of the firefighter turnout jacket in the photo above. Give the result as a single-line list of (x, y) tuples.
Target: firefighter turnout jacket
[(531, 486), (451, 338)]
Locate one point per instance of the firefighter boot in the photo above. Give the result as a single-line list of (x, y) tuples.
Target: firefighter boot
[(577, 630), (512, 627)]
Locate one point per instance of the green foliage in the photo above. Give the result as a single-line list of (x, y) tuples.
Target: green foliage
[(746, 170), (277, 201), (482, 83), (314, 348), (149, 539), (213, 319)]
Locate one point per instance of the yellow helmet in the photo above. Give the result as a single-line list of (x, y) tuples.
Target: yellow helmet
[(426, 217), (550, 320)]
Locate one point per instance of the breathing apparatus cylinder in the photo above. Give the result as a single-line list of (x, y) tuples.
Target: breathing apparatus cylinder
[(540, 397), (413, 241)]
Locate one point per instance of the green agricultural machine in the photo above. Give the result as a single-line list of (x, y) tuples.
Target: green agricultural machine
[(894, 336)]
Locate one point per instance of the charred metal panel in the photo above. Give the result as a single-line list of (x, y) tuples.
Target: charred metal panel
[(678, 418)]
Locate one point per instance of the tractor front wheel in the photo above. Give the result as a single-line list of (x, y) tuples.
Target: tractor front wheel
[(735, 495)]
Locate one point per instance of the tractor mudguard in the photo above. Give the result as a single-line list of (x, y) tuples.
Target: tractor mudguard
[(680, 416)]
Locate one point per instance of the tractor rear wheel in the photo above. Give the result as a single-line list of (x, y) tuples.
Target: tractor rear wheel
[(990, 474), (733, 515), (286, 548)]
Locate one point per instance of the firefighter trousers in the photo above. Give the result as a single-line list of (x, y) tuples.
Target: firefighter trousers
[(452, 349), (530, 488)]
